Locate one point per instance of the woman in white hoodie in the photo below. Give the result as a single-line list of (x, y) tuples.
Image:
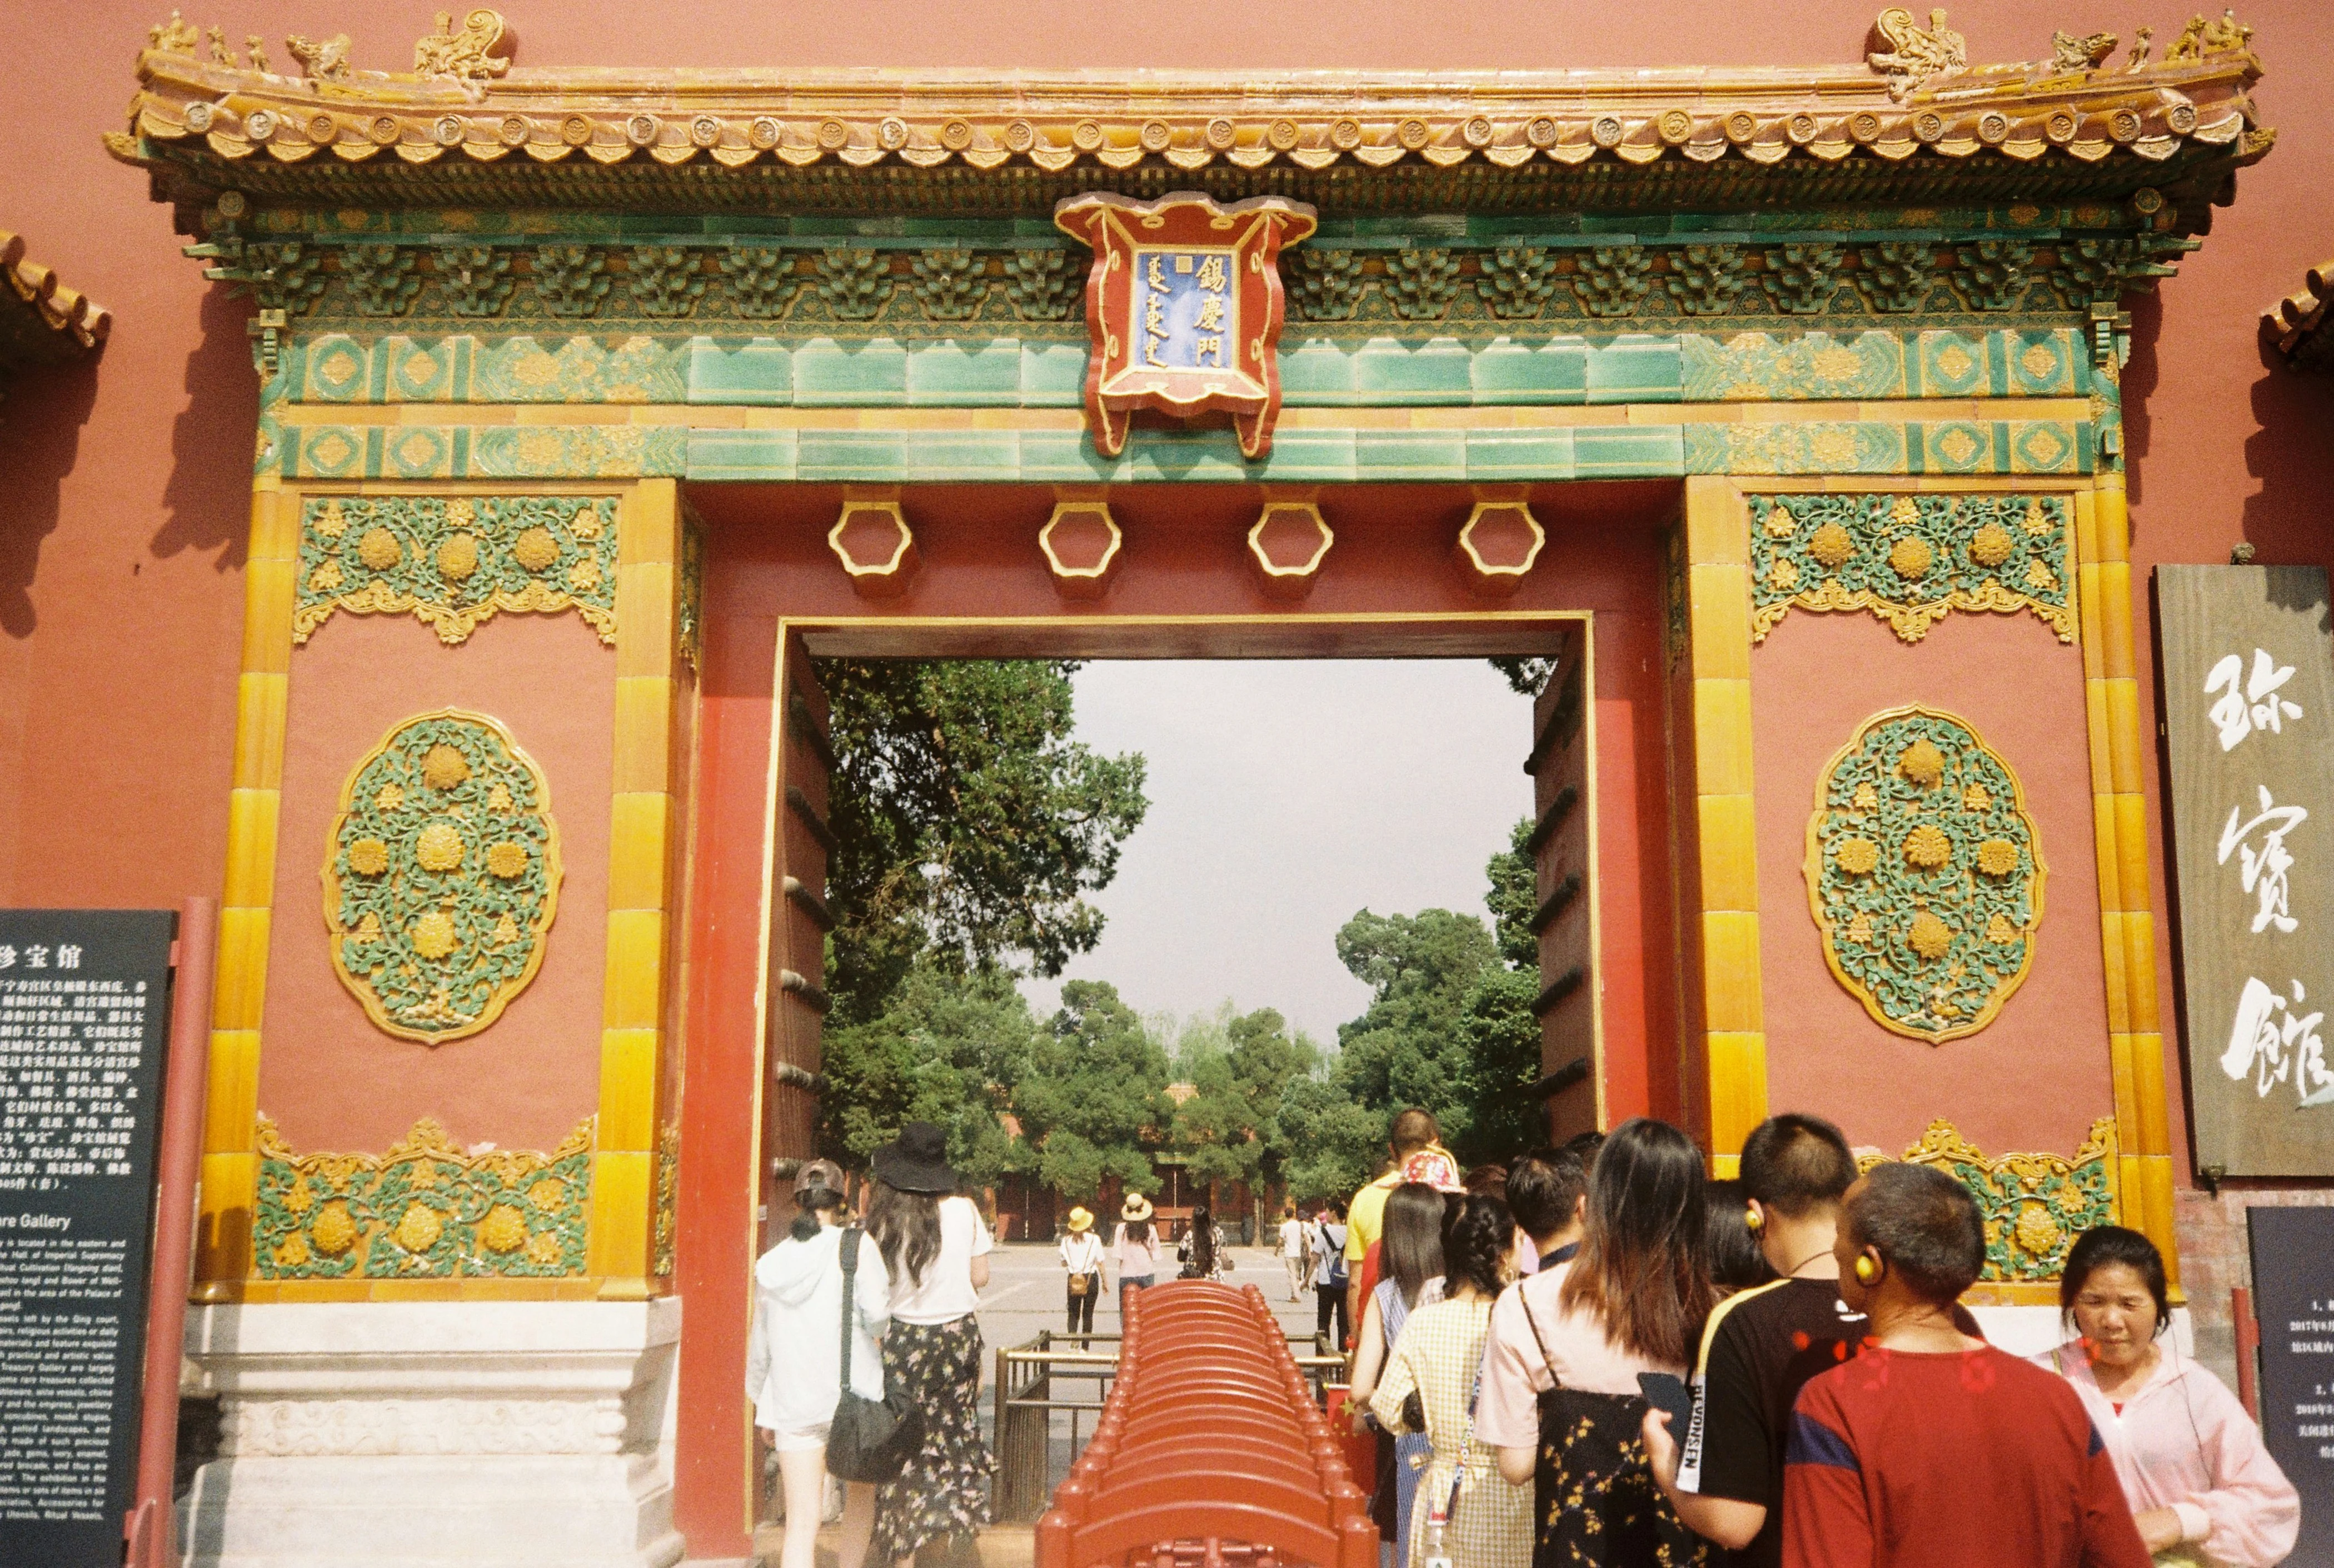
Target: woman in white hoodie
[(794, 1360)]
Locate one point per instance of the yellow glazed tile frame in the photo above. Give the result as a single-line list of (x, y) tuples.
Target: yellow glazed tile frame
[(640, 889), (1718, 638), (2119, 818), (230, 1164)]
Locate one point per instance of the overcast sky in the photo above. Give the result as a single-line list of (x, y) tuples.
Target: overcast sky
[(1285, 795)]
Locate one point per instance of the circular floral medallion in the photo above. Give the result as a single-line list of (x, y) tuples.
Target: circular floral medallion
[(1924, 874), (442, 876)]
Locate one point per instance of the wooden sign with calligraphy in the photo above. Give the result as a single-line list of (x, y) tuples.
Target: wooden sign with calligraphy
[(1184, 305), (2249, 723)]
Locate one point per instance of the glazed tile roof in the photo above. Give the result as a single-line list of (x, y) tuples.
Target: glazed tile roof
[(1912, 123), (2297, 324), (42, 322)]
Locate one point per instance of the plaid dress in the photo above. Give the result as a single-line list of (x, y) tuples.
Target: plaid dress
[(1440, 1353)]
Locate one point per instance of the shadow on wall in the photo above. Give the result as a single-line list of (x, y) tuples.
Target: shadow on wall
[(208, 496), (2291, 453), (40, 435)]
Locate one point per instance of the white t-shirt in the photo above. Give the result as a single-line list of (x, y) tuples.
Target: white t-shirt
[(1292, 1237), (946, 1294), (1082, 1253)]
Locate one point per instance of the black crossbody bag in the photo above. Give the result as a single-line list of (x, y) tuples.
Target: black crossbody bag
[(870, 1440)]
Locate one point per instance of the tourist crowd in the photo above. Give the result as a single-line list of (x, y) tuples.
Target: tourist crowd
[(1595, 1356)]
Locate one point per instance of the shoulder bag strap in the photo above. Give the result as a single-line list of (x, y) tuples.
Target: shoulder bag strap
[(1524, 1303), (850, 1246)]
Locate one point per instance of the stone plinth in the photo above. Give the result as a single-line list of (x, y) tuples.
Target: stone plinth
[(359, 1435)]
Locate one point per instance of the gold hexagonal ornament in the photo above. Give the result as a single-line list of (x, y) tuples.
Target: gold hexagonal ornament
[(1499, 542), (1082, 544), (441, 876), (1286, 575), (883, 570)]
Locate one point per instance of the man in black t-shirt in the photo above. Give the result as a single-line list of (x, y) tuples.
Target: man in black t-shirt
[(1761, 1345)]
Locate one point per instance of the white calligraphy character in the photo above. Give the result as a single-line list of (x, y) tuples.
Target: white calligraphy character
[(36, 956), (2265, 869), (68, 957), (2259, 706), (7, 957), (2270, 1041)]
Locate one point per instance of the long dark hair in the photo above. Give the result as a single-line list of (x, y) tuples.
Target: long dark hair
[(1477, 1240), (1412, 1249), (1641, 1268), (1203, 1239), (907, 1226)]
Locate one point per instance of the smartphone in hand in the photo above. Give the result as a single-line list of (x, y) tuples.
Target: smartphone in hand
[(1669, 1394)]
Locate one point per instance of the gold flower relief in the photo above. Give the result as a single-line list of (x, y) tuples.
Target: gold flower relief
[(1909, 560), (1924, 874), (425, 1209), (442, 876), (454, 562), (2034, 1205)]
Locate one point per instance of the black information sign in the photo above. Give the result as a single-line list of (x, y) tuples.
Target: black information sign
[(84, 1009), (2293, 1298)]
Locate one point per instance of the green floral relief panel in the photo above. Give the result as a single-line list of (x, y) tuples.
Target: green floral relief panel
[(1924, 874), (1910, 560), (2034, 1205), (442, 876), (454, 562), (424, 1210)]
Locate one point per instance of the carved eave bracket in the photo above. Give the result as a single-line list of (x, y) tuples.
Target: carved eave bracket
[(1346, 141), (42, 322), (2296, 325)]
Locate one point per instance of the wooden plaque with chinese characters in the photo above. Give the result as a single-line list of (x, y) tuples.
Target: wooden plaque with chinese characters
[(1184, 304), (2249, 721)]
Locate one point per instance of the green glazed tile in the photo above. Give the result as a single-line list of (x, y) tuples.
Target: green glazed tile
[(934, 456), (828, 374), (1628, 451), (1535, 455), (741, 455), (757, 374), (1506, 371), (1436, 455), (1318, 373), (1314, 457), (958, 374), (1053, 375), (1636, 368), (865, 456), (1388, 372)]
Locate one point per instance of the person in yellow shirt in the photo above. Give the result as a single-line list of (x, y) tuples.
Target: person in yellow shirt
[(1413, 1132)]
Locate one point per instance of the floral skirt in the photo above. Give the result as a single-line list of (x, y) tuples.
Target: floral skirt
[(1593, 1497), (944, 1490)]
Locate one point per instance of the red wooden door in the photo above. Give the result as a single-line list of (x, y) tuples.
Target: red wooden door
[(1564, 856)]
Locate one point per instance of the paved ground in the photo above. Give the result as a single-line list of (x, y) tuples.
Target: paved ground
[(1026, 1295)]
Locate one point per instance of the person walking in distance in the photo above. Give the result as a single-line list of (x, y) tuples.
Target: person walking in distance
[(1293, 1250), (1329, 1279), (794, 1371), (1135, 1247), (936, 1250), (2203, 1491), (1932, 1447), (1561, 1398), (1724, 1473), (1081, 1252)]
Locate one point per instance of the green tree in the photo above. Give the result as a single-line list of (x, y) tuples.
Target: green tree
[(1093, 1097), (1335, 1142), (1406, 1049), (1230, 1129), (949, 1050), (1497, 1027), (971, 824)]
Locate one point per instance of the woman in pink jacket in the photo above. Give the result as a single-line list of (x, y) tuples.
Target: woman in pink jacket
[(2202, 1489)]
